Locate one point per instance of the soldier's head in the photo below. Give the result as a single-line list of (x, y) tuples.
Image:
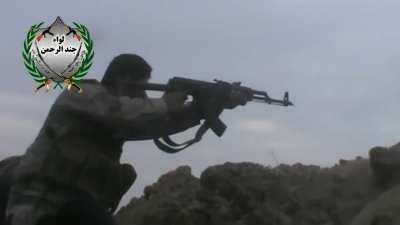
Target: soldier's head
[(125, 69)]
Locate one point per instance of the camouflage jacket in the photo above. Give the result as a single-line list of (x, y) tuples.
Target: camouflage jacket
[(80, 143)]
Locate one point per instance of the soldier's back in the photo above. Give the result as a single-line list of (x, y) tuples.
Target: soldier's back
[(72, 153)]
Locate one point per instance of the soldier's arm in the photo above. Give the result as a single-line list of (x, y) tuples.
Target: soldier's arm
[(130, 118), (170, 123), (154, 125)]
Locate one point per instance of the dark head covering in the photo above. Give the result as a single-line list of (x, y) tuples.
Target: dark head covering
[(127, 66)]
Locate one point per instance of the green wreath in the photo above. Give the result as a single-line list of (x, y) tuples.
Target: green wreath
[(28, 60), (87, 61), (39, 77)]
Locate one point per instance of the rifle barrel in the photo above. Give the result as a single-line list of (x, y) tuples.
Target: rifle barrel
[(271, 101), (259, 96)]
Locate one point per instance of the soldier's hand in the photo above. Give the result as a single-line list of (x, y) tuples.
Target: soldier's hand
[(238, 98), (174, 100)]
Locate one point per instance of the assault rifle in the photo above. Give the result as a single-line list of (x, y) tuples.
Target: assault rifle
[(211, 98)]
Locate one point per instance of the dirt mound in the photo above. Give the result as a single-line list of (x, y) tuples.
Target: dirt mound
[(356, 192), (248, 193)]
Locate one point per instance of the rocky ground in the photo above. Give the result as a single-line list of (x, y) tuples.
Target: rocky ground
[(354, 192)]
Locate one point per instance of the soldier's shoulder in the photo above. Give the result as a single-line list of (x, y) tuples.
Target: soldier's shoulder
[(91, 88), (91, 83)]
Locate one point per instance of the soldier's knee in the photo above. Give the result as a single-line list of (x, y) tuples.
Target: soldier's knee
[(129, 173), (23, 215), (78, 212), (26, 209)]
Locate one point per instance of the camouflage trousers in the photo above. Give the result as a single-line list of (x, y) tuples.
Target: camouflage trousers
[(28, 202)]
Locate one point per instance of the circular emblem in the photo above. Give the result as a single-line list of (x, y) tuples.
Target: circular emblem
[(58, 54)]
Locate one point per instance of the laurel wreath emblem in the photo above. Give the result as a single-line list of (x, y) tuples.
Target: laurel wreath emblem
[(42, 80), (87, 62), (28, 60)]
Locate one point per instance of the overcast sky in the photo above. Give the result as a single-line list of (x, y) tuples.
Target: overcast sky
[(338, 58)]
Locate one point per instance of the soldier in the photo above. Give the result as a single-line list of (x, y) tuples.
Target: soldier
[(79, 146), (7, 169)]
